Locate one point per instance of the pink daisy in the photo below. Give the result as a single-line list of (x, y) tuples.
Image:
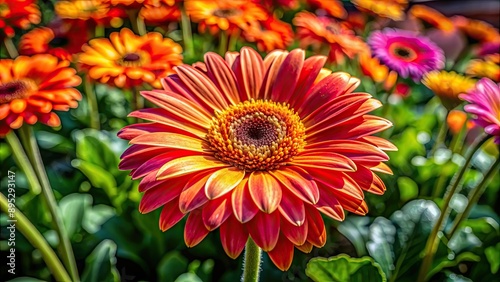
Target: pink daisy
[(407, 53), (484, 101)]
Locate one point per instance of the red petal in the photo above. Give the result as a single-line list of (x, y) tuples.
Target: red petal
[(215, 212), (305, 248), (292, 209), (195, 230), (327, 161), (316, 232), (272, 63), (233, 236), (282, 254), (249, 70), (170, 140), (330, 206), (137, 155), (170, 215), (265, 191), (264, 229), (188, 165), (244, 208), (296, 234), (193, 195), (159, 196), (299, 182), (288, 76), (223, 181), (223, 77), (162, 117), (308, 75), (380, 142), (354, 149), (157, 162), (383, 168)]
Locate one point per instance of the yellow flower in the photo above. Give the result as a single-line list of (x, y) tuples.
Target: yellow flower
[(447, 86), (488, 67), (392, 9)]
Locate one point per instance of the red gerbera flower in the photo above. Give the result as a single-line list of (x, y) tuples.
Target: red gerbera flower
[(17, 13), (257, 148)]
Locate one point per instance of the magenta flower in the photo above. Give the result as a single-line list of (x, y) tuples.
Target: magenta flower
[(484, 101), (409, 54)]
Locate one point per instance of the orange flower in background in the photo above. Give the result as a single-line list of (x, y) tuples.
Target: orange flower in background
[(31, 88), (160, 12), (224, 15), (126, 60), (432, 17), (99, 11), (333, 8), (17, 13), (456, 120), (270, 34), (131, 3), (321, 32), (392, 9), (372, 68), (476, 29), (488, 67), (58, 41), (257, 148)]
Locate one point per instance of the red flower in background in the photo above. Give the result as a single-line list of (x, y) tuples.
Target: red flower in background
[(270, 34), (17, 13), (257, 147)]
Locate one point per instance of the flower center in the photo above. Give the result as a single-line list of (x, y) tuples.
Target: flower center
[(402, 52), (131, 60), (225, 13), (256, 135), (16, 89), (58, 42)]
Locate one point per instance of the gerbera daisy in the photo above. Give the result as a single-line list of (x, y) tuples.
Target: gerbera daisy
[(432, 17), (409, 54), (17, 13), (488, 67), (484, 101), (372, 68), (127, 60), (392, 9), (99, 11), (323, 31), (225, 15), (333, 8), (31, 88), (447, 86), (476, 29), (160, 12), (258, 148), (270, 34), (60, 42)]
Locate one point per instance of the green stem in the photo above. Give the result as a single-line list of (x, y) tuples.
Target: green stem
[(139, 100), (251, 264), (36, 239), (187, 37), (136, 21), (10, 47), (474, 196), (232, 41), (22, 160), (441, 136), (99, 30), (66, 250), (433, 242), (90, 94), (222, 43)]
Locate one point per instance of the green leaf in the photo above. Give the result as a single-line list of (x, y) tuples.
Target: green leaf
[(73, 208), (493, 256), (100, 265), (451, 261), (171, 266), (355, 229), (343, 268), (379, 246), (188, 277), (98, 176), (408, 189)]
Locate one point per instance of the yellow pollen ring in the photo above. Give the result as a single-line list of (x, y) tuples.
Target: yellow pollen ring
[(256, 135)]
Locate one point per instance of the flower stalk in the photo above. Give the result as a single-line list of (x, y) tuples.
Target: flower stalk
[(433, 242), (90, 94), (187, 37), (22, 160), (251, 263), (10, 47), (29, 141), (24, 225)]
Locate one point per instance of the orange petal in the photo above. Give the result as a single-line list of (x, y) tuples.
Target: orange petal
[(170, 215), (223, 181), (299, 182), (18, 105), (381, 143), (330, 206), (282, 254), (290, 69), (264, 229), (193, 195), (233, 236), (221, 74), (188, 165), (244, 208), (158, 196), (265, 191), (249, 69), (195, 230), (305, 248), (272, 63), (327, 161), (170, 140), (316, 232), (215, 212)]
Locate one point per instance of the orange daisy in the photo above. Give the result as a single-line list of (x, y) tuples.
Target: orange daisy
[(476, 29), (392, 9), (258, 148), (488, 67), (270, 34), (160, 12), (372, 68), (225, 15), (31, 88), (333, 7), (319, 32), (60, 42), (127, 60), (99, 11), (17, 13), (432, 17)]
